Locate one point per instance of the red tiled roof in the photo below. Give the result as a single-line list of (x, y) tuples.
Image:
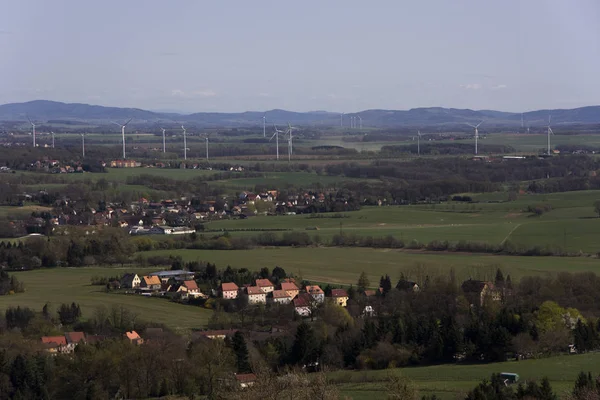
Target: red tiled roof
[(370, 293), (190, 285), (245, 378), (303, 300), (254, 290), (133, 335), (264, 283), (54, 340), (288, 286), (229, 286), (280, 294), (339, 293), (75, 337)]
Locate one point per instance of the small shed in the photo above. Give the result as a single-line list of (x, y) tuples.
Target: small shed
[(509, 377)]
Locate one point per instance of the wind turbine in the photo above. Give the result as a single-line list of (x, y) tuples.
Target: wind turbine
[(419, 143), (83, 145), (184, 143), (206, 136), (164, 143), (341, 120), (52, 138), (264, 126), (549, 133), (123, 133), (276, 136), (359, 121), (476, 133), (290, 140), (33, 130)]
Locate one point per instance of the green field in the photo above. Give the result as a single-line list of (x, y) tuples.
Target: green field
[(571, 225), (66, 285), (454, 381), (344, 265), (280, 180)]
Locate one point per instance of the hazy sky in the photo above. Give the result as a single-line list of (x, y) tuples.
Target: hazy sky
[(346, 55)]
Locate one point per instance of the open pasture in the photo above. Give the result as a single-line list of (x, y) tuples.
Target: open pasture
[(454, 381), (344, 265), (66, 285), (571, 224)]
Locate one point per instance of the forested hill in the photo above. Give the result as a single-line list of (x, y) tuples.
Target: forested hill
[(45, 110)]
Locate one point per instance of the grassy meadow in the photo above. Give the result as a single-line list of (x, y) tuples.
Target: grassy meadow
[(572, 224), (344, 265), (454, 381), (66, 285)]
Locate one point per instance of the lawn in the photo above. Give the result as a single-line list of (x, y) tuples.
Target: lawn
[(66, 285), (344, 265), (453, 381), (280, 180)]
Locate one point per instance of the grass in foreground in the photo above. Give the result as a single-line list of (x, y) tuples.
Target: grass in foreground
[(66, 285), (454, 381)]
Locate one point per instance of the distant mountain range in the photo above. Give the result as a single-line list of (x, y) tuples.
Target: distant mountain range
[(45, 110)]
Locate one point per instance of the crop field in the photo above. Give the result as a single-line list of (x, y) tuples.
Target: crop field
[(66, 285), (454, 381), (344, 265)]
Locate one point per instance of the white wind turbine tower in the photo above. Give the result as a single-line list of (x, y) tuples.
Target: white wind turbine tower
[(52, 133), (264, 126), (476, 133), (276, 136), (32, 130), (206, 139), (341, 119), (184, 143), (549, 133), (290, 141), (123, 134), (164, 143), (83, 145), (419, 143), (359, 121)]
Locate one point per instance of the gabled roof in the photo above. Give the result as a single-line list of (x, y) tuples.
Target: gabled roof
[(133, 335), (151, 280), (280, 294), (314, 290), (254, 290), (190, 285), (54, 340), (339, 293), (303, 300), (75, 337), (289, 286), (264, 283), (370, 293), (229, 286)]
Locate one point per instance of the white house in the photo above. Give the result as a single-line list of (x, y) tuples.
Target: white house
[(316, 292), (256, 295), (265, 284), (281, 297), (229, 290)]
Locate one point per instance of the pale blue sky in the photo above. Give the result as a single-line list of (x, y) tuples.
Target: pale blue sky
[(348, 55)]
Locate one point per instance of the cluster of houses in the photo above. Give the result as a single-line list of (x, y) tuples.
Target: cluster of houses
[(263, 291), (177, 283), (66, 343)]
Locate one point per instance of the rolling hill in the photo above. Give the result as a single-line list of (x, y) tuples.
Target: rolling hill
[(44, 110)]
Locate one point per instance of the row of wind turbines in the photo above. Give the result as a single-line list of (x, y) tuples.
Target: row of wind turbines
[(476, 128), (288, 134)]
